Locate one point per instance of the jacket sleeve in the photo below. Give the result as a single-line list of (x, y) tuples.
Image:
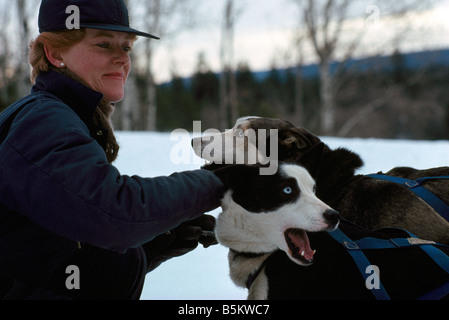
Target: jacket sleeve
[(54, 173)]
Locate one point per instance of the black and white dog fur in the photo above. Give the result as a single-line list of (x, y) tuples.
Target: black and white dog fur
[(266, 213), (267, 220), (368, 202)]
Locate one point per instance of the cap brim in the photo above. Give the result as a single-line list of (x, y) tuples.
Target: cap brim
[(112, 27)]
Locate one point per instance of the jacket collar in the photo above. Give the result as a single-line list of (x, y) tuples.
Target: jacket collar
[(77, 96)]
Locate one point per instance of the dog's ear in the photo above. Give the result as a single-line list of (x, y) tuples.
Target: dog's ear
[(294, 142), (237, 174), (346, 159), (297, 138), (311, 159), (223, 173)]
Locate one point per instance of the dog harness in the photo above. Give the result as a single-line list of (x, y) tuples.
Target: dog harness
[(416, 187), (355, 248)]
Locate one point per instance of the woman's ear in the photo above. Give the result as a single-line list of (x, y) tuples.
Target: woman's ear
[(54, 57)]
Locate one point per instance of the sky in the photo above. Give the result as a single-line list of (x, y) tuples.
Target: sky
[(264, 31)]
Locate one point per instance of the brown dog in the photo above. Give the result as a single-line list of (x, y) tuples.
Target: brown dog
[(367, 202)]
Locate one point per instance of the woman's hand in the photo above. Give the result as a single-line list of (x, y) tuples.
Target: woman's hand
[(180, 240)]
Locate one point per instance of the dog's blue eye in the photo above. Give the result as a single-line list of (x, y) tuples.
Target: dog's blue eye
[(239, 133), (287, 190)]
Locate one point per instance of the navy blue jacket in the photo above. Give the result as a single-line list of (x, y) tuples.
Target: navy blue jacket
[(57, 187)]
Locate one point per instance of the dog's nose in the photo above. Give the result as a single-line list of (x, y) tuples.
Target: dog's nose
[(332, 217)]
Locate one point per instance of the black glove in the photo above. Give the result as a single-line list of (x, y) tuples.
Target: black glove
[(182, 239)]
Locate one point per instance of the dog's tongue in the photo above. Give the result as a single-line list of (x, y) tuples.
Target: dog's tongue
[(300, 244)]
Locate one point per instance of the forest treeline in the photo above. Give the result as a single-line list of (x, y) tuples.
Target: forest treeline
[(341, 98), (393, 100), (388, 100)]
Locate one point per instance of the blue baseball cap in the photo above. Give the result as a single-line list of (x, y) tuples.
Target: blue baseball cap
[(95, 14)]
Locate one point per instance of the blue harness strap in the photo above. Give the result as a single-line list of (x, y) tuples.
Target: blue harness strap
[(416, 186), (374, 243), (354, 248), (362, 263)]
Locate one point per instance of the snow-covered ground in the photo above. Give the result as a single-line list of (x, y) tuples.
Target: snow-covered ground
[(203, 274)]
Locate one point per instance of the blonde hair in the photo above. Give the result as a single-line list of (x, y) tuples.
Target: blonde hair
[(58, 39)]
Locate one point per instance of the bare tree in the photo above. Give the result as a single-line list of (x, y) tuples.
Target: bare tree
[(298, 115), (228, 83), (5, 55), (24, 11), (128, 112), (153, 12), (325, 21), (157, 17)]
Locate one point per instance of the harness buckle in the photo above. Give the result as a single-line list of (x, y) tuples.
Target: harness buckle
[(412, 184), (417, 241), (351, 245)]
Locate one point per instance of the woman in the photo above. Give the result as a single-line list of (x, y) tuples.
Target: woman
[(63, 206)]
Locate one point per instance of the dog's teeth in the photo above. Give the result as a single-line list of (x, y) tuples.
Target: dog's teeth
[(314, 251), (302, 253)]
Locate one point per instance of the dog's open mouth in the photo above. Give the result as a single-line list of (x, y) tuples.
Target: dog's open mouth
[(299, 246)]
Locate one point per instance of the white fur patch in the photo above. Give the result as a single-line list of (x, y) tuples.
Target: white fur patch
[(245, 231)]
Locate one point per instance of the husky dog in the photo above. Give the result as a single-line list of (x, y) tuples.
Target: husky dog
[(266, 213), (367, 202)]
